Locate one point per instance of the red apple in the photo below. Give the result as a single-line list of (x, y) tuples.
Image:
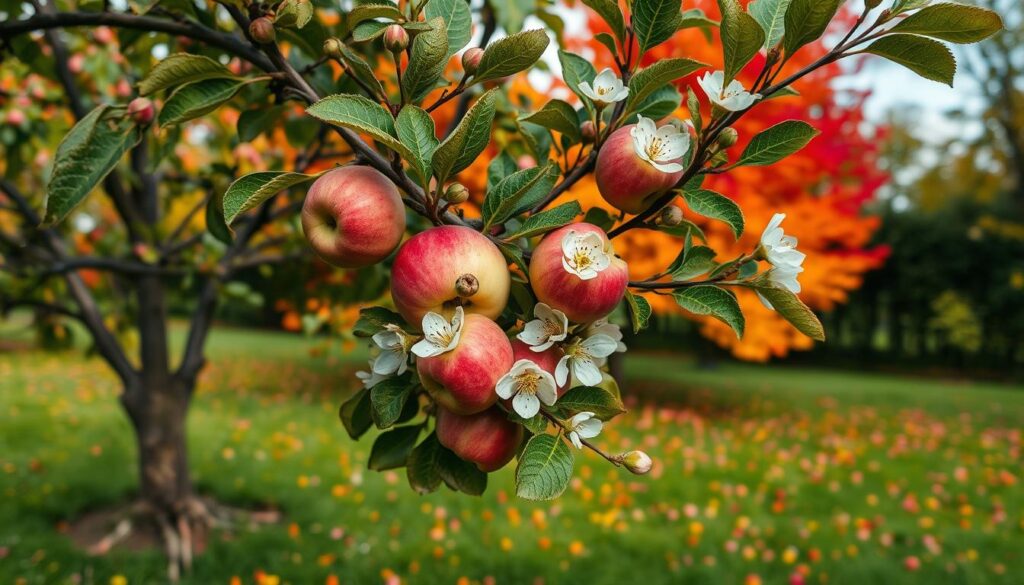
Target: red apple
[(429, 266), (625, 180), (546, 360), (353, 217), (487, 438), (463, 379), (582, 300)]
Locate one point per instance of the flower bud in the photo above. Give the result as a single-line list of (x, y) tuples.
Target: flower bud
[(262, 30), (456, 193), (728, 137), (141, 111), (671, 216), (471, 60), (395, 38), (588, 132), (332, 48), (637, 462), (466, 285)]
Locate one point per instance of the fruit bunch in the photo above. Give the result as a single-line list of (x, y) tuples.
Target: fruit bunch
[(503, 308)]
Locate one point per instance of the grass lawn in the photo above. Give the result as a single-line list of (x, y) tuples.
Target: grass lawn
[(763, 475)]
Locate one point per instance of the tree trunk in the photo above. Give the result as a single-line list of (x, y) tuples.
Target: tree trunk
[(159, 423)]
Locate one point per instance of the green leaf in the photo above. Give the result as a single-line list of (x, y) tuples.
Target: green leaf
[(608, 41), (693, 104), (610, 12), (929, 59), (696, 260), (457, 18), (362, 12), (577, 70), (367, 31), (742, 37), (511, 54), (716, 206), (546, 221), (651, 79), (537, 138), (355, 414), (86, 155), (469, 139), (776, 143), (695, 18), (559, 116), (806, 21), (360, 69), (663, 102), (600, 217), (197, 99), (518, 192), (422, 467), (599, 401), (362, 115), (374, 320), (514, 255), (500, 167), (426, 62), (293, 14), (512, 13), (714, 301), (787, 304), (251, 190), (215, 223), (387, 398), (536, 425), (771, 15), (461, 476), (655, 21), (415, 129), (544, 470), (182, 68), (956, 23), (393, 448), (639, 311)]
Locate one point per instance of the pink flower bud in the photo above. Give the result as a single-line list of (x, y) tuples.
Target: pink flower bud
[(395, 38), (332, 48), (141, 111), (637, 462), (262, 30), (471, 60), (588, 131), (671, 216)]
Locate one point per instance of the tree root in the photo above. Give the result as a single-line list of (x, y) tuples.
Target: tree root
[(182, 532)]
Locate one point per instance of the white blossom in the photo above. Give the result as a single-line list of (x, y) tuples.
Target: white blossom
[(733, 97), (583, 425), (371, 378), (439, 336), (785, 277), (662, 147), (394, 356), (550, 325), (584, 254), (780, 251), (581, 358), (606, 89), (527, 385), (603, 327)]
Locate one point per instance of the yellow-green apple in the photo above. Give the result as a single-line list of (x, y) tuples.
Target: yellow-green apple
[(575, 270), (465, 362), (639, 162), (438, 270), (487, 438), (353, 217)]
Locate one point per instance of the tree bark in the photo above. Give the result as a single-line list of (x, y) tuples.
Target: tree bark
[(158, 419)]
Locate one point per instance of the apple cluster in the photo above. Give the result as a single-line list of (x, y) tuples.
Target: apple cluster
[(487, 376)]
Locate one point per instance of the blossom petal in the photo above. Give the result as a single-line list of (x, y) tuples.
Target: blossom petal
[(574, 438), (425, 348), (586, 371), (600, 345), (526, 405), (388, 362), (562, 370)]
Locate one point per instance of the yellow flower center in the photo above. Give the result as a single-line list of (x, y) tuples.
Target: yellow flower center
[(528, 382), (654, 148), (582, 259)]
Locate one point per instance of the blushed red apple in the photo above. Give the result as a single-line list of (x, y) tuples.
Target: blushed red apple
[(428, 266), (582, 300), (625, 180), (463, 379), (487, 439), (353, 217)]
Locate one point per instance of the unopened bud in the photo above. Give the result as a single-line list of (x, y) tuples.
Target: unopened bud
[(671, 216), (141, 111), (728, 137), (456, 193), (332, 48), (637, 462), (588, 131), (262, 30), (471, 60), (395, 38), (466, 285)]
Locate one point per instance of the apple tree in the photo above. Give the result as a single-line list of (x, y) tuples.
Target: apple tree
[(495, 343)]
